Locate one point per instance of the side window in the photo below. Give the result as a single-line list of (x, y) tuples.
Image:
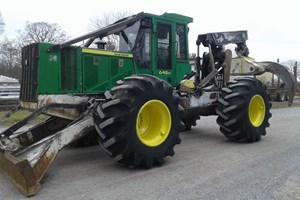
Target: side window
[(180, 42), (163, 46)]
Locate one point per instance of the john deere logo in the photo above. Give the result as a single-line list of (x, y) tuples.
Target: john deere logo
[(164, 72)]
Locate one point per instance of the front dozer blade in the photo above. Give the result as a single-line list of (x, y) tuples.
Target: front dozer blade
[(280, 71), (26, 156), (20, 173)]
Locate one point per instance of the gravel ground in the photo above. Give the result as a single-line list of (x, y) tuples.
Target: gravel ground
[(206, 166)]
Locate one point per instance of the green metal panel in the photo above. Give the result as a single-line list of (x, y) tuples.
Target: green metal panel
[(58, 72), (48, 70), (91, 71), (101, 70), (125, 68), (183, 68)]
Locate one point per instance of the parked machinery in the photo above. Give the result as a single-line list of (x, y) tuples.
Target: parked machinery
[(138, 98)]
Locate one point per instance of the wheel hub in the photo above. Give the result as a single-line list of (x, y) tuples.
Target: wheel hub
[(257, 110), (153, 123)]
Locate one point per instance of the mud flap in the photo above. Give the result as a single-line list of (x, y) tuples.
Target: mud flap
[(280, 71)]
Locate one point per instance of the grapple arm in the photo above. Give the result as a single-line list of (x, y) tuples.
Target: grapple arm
[(241, 66), (280, 71)]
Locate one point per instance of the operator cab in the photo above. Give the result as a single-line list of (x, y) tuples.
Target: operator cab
[(159, 45)]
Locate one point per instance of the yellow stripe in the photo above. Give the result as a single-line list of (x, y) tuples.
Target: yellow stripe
[(106, 53)]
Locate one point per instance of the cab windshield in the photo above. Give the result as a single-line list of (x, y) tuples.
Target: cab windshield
[(128, 37)]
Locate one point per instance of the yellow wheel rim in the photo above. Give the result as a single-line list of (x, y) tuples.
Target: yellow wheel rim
[(153, 123), (257, 110)]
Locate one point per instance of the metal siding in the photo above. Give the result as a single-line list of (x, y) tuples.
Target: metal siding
[(114, 67), (91, 72)]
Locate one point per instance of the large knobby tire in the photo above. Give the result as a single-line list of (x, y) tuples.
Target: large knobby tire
[(139, 124), (244, 110)]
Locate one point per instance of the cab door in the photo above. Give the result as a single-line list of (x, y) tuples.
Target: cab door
[(164, 62)]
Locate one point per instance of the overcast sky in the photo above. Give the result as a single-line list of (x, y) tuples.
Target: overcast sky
[(273, 26)]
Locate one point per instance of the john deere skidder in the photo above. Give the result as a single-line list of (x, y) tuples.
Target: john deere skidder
[(137, 97)]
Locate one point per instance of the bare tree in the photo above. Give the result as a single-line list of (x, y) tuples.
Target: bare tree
[(2, 24), (106, 19), (289, 64), (10, 49), (41, 32), (10, 60)]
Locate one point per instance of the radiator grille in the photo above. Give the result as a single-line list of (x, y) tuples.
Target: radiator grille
[(68, 69), (29, 73)]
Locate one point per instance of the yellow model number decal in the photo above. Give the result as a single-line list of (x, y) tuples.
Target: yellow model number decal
[(164, 72), (106, 53)]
